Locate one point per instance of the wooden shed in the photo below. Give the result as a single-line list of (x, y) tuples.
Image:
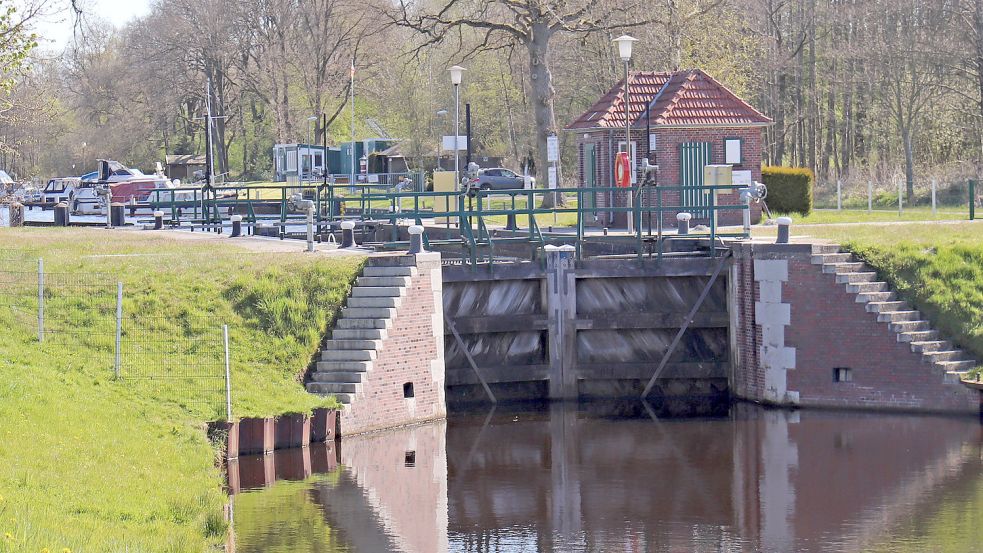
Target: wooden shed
[(681, 121), (184, 166)]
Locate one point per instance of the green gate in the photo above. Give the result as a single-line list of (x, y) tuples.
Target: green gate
[(693, 157)]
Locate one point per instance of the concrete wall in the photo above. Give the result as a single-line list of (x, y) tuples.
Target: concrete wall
[(796, 325), (412, 352)]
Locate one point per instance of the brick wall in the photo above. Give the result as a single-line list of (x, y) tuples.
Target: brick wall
[(412, 352), (665, 154), (828, 329)]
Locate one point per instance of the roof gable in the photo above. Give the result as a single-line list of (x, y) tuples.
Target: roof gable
[(681, 99)]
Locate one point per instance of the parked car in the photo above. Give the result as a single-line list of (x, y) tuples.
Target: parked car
[(499, 178)]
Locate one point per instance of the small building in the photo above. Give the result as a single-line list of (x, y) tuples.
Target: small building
[(184, 166), (681, 121), (302, 161)]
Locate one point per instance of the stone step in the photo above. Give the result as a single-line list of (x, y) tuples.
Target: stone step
[(343, 366), (825, 248), (377, 291), (867, 297), (897, 316), (354, 323), (317, 388), (352, 344), (957, 366), (336, 387), (368, 312), (348, 355), (839, 268), (931, 345), (383, 281), (337, 376), (909, 326), (824, 258), (359, 333), (946, 355), (374, 301), (955, 377), (852, 278), (383, 271), (882, 306), (867, 287), (919, 336)]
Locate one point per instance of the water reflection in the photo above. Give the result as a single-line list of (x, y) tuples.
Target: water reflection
[(630, 478)]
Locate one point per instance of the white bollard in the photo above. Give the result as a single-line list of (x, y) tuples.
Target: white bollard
[(416, 239), (682, 223), (236, 225), (348, 234)]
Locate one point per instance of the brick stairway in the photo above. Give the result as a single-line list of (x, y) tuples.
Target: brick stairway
[(360, 330), (907, 323)]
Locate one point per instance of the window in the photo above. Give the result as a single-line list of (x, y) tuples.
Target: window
[(733, 154), (408, 390), (493, 173), (507, 173), (842, 374), (409, 459)]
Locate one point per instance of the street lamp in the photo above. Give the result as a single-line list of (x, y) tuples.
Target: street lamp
[(625, 44), (457, 72)]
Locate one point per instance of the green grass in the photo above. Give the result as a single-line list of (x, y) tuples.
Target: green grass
[(91, 463), (827, 216), (937, 267)]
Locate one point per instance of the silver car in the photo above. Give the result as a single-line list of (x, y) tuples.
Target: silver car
[(499, 178)]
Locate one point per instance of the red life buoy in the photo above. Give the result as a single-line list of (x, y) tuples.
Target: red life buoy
[(622, 170)]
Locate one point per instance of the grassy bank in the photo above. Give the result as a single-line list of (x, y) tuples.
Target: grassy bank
[(91, 463), (937, 267)]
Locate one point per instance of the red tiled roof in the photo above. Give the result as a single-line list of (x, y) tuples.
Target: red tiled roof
[(682, 99)]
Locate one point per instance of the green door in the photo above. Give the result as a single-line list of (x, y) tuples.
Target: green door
[(590, 174), (693, 157)]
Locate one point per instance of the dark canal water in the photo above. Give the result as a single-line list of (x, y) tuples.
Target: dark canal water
[(625, 478)]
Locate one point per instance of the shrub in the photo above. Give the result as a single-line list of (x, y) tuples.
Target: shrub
[(789, 189)]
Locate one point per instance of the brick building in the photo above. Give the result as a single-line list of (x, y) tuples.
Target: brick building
[(680, 121)]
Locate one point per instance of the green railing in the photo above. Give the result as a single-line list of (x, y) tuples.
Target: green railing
[(472, 214)]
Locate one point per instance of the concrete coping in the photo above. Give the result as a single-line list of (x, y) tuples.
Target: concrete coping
[(415, 229), (551, 248), (567, 248), (784, 220), (161, 214), (234, 218), (684, 216), (348, 225)]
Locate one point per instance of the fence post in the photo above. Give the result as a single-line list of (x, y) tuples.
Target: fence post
[(972, 199), (934, 184), (228, 382), (119, 327), (870, 196), (839, 195), (40, 299)]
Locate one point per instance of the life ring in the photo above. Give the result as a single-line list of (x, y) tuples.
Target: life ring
[(622, 170)]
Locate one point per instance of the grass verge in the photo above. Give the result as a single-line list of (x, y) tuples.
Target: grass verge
[(91, 463)]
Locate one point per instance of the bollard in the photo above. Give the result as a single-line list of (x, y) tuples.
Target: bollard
[(567, 251), (605, 231), (117, 214), (347, 234), (416, 239), (133, 206), (783, 230), (61, 214), (236, 226), (510, 223), (158, 220), (308, 207), (682, 223)]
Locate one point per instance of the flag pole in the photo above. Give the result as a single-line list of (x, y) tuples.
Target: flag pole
[(352, 87)]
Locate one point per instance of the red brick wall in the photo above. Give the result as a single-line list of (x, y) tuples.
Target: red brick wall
[(666, 156), (829, 329), (412, 352)]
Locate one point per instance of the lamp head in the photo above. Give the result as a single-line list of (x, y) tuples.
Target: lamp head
[(624, 46), (457, 72)]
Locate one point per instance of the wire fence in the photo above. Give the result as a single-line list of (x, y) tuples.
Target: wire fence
[(183, 359)]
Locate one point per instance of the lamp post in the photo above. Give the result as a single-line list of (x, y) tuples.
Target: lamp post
[(309, 142), (625, 43), (457, 72)]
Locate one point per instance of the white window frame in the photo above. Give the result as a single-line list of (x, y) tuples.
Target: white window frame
[(728, 159)]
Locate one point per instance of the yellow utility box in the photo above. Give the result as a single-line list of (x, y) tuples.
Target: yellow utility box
[(717, 175), (443, 181)]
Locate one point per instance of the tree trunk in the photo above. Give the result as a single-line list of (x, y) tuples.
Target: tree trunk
[(542, 95), (909, 161), (674, 32)]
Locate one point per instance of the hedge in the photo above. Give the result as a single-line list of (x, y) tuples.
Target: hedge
[(789, 189)]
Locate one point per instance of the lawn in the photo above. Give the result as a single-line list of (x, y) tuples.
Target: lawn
[(937, 267), (826, 216), (94, 463)]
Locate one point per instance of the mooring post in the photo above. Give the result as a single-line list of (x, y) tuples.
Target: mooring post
[(682, 223), (416, 239), (784, 223), (561, 309), (40, 299), (236, 226), (158, 220), (228, 379), (347, 234), (119, 327)]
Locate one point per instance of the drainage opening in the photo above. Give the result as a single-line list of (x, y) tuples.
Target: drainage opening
[(842, 374), (408, 390), (409, 459)]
